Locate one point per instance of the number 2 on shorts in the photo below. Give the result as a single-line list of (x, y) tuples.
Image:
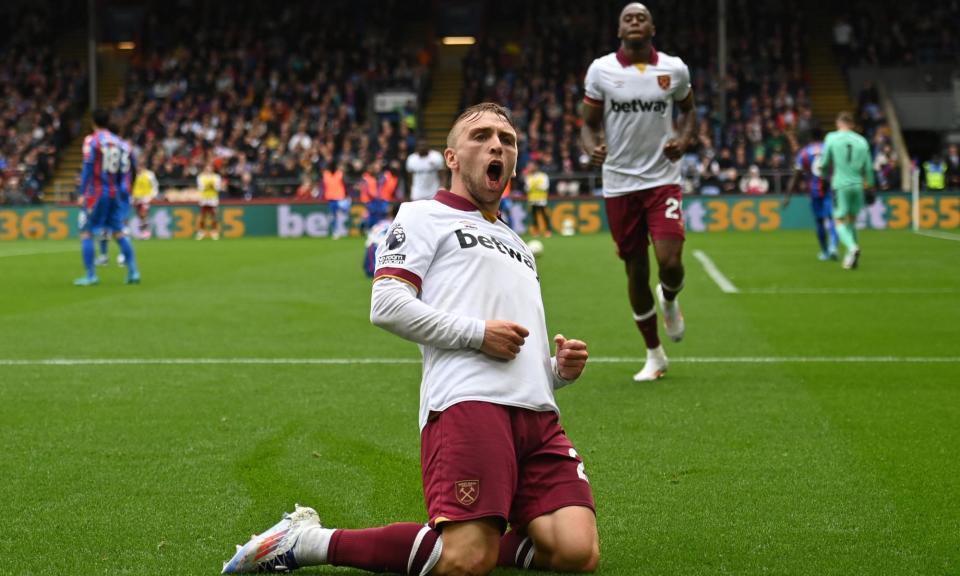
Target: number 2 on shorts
[(580, 473), (673, 209)]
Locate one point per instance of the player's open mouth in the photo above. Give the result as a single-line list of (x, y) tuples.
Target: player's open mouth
[(494, 172)]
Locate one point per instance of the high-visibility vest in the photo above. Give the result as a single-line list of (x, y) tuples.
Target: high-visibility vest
[(389, 190), (936, 175), (333, 188), (369, 191)]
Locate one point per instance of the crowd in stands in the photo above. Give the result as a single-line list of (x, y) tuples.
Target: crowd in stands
[(767, 114), (280, 95), (41, 100), (886, 33), (274, 93)]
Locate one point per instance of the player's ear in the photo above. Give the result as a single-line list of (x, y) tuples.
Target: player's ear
[(450, 157)]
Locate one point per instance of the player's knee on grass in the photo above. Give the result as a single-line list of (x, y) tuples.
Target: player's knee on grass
[(469, 549), (579, 554), (566, 540), (466, 560)]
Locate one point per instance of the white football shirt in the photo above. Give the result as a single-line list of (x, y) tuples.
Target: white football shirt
[(465, 265), (637, 102), (425, 180)]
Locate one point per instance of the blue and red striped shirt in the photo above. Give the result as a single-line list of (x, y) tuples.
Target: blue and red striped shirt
[(107, 168), (808, 160)]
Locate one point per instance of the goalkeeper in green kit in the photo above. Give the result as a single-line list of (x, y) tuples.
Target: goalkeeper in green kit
[(846, 161)]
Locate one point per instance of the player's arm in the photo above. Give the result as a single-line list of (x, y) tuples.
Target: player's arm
[(869, 178), (686, 128), (394, 306), (591, 132), (826, 160), (86, 173), (794, 179), (569, 362), (154, 186)]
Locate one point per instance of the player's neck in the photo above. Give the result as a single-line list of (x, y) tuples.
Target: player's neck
[(638, 52), (488, 210)]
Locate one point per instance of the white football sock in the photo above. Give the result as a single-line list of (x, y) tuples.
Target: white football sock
[(311, 548)]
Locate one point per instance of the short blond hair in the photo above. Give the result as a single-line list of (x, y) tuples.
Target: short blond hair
[(472, 113)]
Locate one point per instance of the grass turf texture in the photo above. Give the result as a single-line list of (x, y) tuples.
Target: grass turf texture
[(745, 468)]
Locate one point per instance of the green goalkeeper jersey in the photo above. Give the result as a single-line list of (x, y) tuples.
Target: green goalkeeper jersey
[(846, 160)]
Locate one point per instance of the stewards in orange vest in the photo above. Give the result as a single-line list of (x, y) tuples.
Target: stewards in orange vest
[(338, 203)]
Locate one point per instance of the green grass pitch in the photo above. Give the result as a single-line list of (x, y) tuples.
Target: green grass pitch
[(809, 424)]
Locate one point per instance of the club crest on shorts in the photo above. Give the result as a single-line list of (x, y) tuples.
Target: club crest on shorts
[(664, 81), (467, 491)]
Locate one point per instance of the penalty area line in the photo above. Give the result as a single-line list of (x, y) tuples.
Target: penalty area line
[(416, 361), (715, 274)]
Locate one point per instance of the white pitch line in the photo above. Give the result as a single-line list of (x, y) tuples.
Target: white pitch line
[(792, 360), (940, 235), (35, 252), (398, 361), (722, 281), (861, 291), (203, 361)]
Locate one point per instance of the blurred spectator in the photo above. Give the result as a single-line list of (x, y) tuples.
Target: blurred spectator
[(753, 182), (935, 174), (953, 167), (888, 33), (308, 190), (843, 39), (887, 168)]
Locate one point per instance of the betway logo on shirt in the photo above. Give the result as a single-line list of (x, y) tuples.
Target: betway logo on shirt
[(468, 240), (637, 105)]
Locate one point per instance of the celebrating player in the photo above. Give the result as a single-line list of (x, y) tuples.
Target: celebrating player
[(455, 279), (846, 161), (209, 184), (629, 128), (104, 185), (820, 199)]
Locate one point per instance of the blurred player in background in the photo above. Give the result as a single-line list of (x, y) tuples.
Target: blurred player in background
[(455, 279), (124, 197), (424, 168), (628, 127), (821, 201), (846, 161), (145, 189), (373, 187), (538, 188), (375, 237), (104, 193), (209, 183)]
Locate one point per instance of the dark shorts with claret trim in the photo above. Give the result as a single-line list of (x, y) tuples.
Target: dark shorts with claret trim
[(636, 217), (482, 460)]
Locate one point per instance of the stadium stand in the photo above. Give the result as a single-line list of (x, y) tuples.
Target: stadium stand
[(277, 92), (41, 99), (539, 72), (274, 94)]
